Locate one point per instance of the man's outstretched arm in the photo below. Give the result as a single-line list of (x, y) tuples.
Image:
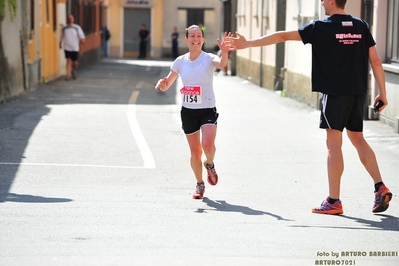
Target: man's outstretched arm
[(240, 42)]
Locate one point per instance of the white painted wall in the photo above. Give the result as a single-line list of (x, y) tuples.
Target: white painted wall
[(61, 19), (11, 38), (298, 56)]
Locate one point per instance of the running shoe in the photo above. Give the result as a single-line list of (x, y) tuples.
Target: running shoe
[(328, 208), (74, 74), (382, 198), (68, 78), (199, 191), (212, 175)]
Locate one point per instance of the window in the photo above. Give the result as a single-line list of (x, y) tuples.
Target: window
[(85, 15), (89, 15), (32, 19), (54, 15), (195, 16), (393, 32), (75, 11)]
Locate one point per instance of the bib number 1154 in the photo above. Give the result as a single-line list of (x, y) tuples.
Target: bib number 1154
[(190, 98), (191, 94)]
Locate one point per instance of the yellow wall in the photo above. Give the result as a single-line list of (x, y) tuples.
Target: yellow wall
[(48, 42), (115, 26), (157, 22)]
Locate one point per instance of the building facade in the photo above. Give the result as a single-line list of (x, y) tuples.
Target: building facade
[(160, 17), (30, 41)]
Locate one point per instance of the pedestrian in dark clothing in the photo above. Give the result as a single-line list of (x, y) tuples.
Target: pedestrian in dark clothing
[(144, 36), (175, 48), (105, 36)]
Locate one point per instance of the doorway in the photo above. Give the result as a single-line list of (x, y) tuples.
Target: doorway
[(132, 20), (195, 16)]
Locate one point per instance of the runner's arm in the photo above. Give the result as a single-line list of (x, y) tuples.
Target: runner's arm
[(224, 47), (165, 83)]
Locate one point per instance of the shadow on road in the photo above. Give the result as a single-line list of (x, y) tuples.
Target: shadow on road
[(12, 197), (221, 205), (387, 223)]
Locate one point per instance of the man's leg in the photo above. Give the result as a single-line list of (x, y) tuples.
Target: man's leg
[(144, 49), (141, 49), (366, 154), (68, 68), (106, 49), (335, 168), (74, 68), (335, 162)]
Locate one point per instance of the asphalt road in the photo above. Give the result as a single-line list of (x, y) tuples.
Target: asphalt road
[(96, 172)]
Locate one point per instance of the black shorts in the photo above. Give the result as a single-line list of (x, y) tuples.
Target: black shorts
[(342, 111), (194, 119), (72, 55)]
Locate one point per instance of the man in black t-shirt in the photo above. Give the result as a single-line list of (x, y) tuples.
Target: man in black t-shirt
[(144, 36), (342, 48), (175, 43)]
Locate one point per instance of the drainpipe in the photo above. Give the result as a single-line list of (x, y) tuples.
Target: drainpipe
[(261, 49), (368, 11), (368, 17)]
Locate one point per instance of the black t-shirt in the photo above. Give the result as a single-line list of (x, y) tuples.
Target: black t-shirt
[(175, 36), (143, 34), (340, 54)]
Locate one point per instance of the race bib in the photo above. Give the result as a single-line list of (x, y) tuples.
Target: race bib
[(191, 94)]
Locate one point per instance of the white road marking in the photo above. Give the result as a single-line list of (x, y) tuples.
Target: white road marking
[(138, 135), (145, 151), (73, 165)]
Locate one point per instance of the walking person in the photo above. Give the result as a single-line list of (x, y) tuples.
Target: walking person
[(144, 36), (198, 113), (71, 37), (105, 36), (175, 38), (342, 47)]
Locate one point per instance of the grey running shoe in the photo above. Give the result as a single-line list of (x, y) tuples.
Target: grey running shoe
[(199, 191)]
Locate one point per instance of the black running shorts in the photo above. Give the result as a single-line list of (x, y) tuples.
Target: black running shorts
[(194, 119), (342, 111), (72, 55)]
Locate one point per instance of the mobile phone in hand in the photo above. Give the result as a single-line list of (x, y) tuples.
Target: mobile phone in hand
[(378, 106)]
